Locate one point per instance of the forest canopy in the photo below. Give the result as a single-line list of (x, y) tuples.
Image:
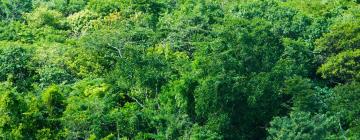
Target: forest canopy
[(180, 69)]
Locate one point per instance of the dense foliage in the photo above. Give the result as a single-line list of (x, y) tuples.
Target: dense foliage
[(180, 69)]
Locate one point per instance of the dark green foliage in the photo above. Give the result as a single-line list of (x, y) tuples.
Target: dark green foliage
[(304, 126), (13, 10), (14, 65), (345, 104), (179, 69)]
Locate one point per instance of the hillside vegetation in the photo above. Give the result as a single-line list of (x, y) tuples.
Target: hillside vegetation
[(180, 69)]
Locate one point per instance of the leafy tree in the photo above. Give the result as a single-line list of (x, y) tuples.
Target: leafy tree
[(66, 7), (342, 67), (81, 22), (11, 109), (338, 52), (51, 65), (344, 104), (191, 26), (14, 65), (13, 9), (42, 16), (86, 111), (303, 125)]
